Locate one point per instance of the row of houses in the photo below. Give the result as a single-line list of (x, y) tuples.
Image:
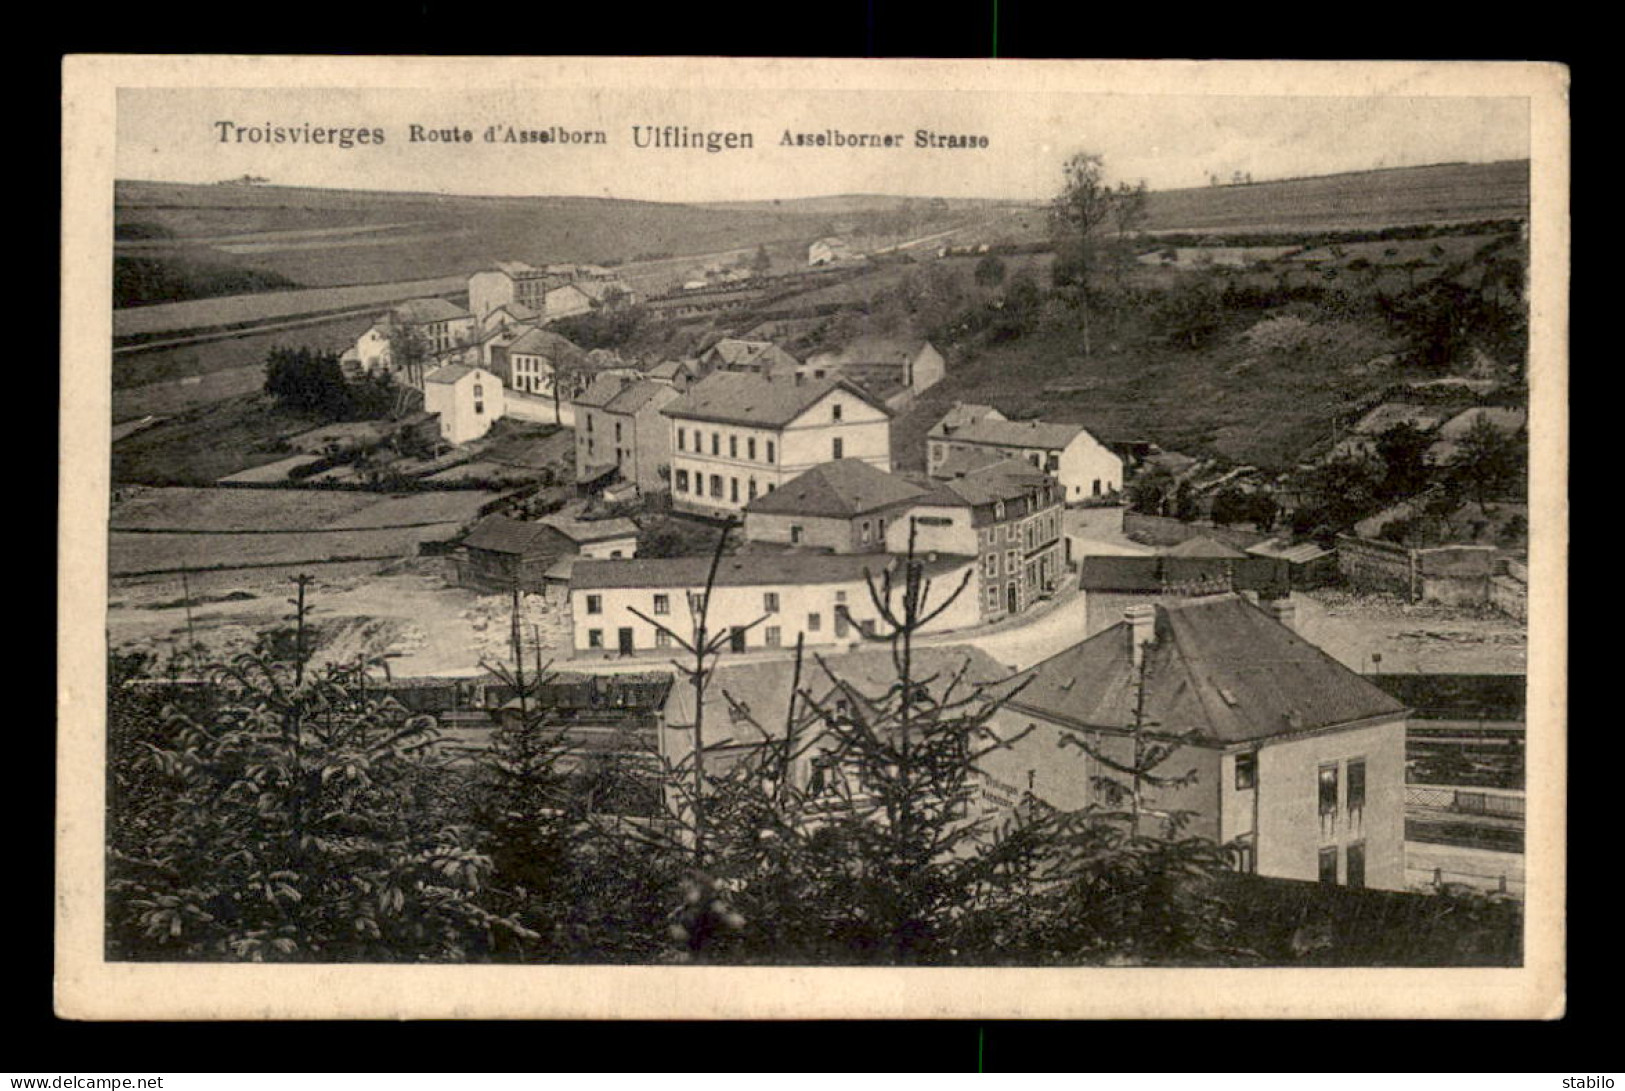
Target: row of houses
[(1275, 749)]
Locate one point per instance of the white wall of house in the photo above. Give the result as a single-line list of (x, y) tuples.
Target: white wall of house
[(927, 369), (1291, 830), (611, 549), (802, 609), (467, 407), (1089, 469), (532, 374), (566, 301), (489, 290)]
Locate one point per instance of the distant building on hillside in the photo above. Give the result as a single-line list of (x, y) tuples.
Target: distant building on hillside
[(510, 282), (438, 332), (762, 358), (885, 366), (468, 399), (530, 362), (831, 249)]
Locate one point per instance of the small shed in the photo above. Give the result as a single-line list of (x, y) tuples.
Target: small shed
[(1308, 564)]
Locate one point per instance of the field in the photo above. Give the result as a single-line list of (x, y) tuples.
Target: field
[(1448, 193), (202, 444), (164, 530), (205, 314)]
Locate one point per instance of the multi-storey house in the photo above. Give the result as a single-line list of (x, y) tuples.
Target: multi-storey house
[(843, 506), (1009, 516), (738, 436), (1085, 467), (763, 600), (1280, 752), (618, 425)]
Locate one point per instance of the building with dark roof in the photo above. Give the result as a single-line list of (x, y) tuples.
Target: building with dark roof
[(763, 599), (843, 506), (1086, 468), (1280, 751), (1112, 583), (737, 436), (1009, 516), (501, 553), (619, 427), (880, 363)]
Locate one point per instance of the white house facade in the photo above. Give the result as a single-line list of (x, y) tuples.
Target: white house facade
[(468, 399)]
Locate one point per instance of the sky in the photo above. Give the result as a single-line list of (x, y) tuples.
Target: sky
[(1168, 140)]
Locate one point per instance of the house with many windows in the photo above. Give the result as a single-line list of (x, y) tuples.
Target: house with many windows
[(1007, 515), (1086, 468), (843, 506), (529, 361), (619, 426), (737, 436), (761, 599), (1281, 752)]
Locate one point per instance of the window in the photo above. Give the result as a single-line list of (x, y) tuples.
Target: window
[(840, 596), (1246, 771), (837, 447), (662, 604), (990, 565), (589, 422), (733, 489), (750, 448), (1356, 792), (682, 439), (682, 480), (770, 636), (716, 443), (815, 623), (1010, 563), (993, 598), (1246, 857), (1097, 486), (770, 602), (835, 411), (753, 488), (795, 534), (696, 601), (479, 391), (617, 431), (863, 531), (1328, 789), (1354, 865), (716, 486), (998, 512), (479, 408), (595, 638), (662, 638), (770, 450), (733, 446), (595, 604), (1328, 865)]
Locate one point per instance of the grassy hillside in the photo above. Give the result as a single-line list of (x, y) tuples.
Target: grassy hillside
[(1446, 193), (321, 238)]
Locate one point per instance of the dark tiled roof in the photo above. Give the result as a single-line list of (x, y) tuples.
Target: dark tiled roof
[(1175, 575), (1202, 546), (1019, 433), (740, 398), (418, 311), (590, 530), (746, 570), (543, 343), (877, 350), (841, 488), (448, 374), (500, 534), (964, 460), (1220, 666)]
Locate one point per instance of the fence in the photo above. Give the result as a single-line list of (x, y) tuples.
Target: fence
[(1488, 804), (1457, 575), (1436, 878)]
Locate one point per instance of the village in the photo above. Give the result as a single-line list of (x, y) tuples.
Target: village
[(521, 498)]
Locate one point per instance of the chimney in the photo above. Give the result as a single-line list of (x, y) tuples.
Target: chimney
[(1284, 611), (1142, 627)]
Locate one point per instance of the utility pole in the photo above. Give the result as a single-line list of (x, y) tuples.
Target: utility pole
[(303, 581), (186, 597)]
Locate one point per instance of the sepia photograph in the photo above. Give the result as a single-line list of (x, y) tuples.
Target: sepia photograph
[(764, 538)]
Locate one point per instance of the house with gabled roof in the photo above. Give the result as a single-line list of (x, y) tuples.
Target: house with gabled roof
[(619, 427), (880, 363), (529, 362), (841, 506), (763, 599), (468, 400), (754, 357), (501, 553), (1280, 751), (737, 436), (1086, 468)]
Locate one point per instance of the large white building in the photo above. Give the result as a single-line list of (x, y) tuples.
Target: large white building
[(738, 436), (468, 399), (554, 291), (1085, 467), (761, 599)]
